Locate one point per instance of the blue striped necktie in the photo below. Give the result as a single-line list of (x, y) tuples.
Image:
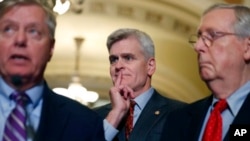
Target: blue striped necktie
[(15, 125)]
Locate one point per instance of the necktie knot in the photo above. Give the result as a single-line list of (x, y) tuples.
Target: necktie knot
[(132, 104), (20, 98), (221, 105)]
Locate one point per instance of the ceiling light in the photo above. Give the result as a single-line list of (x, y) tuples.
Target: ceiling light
[(61, 6), (75, 90)]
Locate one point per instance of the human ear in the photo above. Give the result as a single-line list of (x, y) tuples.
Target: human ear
[(151, 66), (51, 46), (247, 49)]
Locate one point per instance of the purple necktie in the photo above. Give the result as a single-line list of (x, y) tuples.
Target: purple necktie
[(15, 125)]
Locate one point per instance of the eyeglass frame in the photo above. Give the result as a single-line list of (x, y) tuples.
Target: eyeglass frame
[(208, 42)]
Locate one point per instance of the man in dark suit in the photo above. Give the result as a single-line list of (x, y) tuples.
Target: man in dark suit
[(29, 110), (223, 49), (132, 64)]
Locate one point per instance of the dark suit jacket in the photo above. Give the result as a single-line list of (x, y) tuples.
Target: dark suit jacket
[(190, 120), (150, 124), (63, 119)]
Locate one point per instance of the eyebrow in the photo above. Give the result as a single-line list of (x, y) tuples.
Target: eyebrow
[(207, 30), (113, 56)]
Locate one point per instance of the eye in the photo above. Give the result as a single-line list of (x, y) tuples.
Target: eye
[(213, 35), (8, 30), (34, 31), (128, 57), (113, 59), (199, 34)]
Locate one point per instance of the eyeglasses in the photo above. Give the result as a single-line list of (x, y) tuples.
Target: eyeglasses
[(209, 38)]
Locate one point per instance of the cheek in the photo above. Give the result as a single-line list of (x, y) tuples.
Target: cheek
[(40, 57), (111, 70), (3, 55), (219, 59), (112, 73), (141, 72), (227, 58)]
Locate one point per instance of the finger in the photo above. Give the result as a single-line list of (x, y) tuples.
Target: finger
[(118, 79), (130, 93), (125, 93)]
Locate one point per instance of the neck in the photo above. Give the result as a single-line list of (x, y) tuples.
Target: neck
[(223, 89), (20, 83)]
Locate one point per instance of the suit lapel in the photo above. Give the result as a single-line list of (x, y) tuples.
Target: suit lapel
[(53, 117), (121, 135), (243, 116), (197, 114), (148, 118)]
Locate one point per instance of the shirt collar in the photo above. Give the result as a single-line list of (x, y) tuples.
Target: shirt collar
[(5, 89), (34, 93), (143, 98), (237, 98)]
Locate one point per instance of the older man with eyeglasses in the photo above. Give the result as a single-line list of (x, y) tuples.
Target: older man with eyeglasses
[(223, 54)]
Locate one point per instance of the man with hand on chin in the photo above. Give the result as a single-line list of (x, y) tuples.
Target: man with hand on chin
[(132, 65)]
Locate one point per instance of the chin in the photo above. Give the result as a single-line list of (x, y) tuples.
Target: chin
[(21, 74), (204, 76)]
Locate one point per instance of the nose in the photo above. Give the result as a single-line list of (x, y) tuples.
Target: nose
[(199, 45), (119, 65), (20, 39)]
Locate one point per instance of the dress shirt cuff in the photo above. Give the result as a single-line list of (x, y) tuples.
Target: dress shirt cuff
[(110, 131)]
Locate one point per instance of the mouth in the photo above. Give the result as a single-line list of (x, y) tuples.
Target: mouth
[(123, 75), (204, 64), (18, 58)]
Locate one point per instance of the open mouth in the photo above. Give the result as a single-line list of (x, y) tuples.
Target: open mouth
[(19, 57)]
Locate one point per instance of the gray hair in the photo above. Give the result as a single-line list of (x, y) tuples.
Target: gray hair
[(144, 39), (241, 25), (6, 5)]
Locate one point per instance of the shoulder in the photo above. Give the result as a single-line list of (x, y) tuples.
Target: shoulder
[(193, 108), (199, 104), (67, 105), (166, 101), (103, 110)]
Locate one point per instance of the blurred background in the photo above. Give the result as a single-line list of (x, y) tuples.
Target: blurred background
[(80, 60)]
